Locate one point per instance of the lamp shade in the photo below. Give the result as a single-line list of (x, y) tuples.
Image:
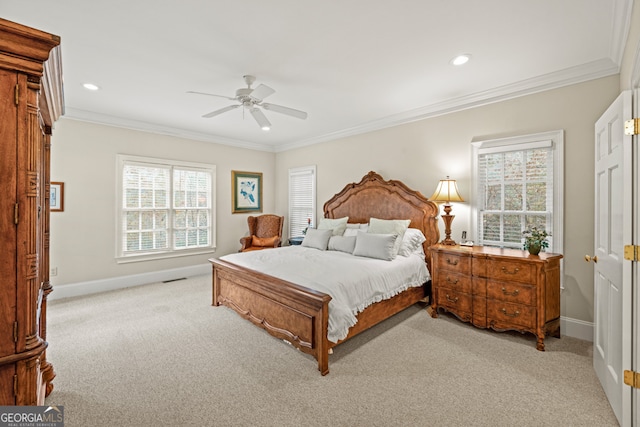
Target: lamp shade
[(447, 191)]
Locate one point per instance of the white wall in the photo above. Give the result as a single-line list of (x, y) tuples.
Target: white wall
[(421, 153), (83, 156)]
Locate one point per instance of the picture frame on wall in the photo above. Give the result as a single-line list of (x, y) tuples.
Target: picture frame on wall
[(246, 190), (56, 197)]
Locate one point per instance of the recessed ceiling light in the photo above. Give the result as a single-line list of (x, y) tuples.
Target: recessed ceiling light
[(461, 59), (90, 86), (266, 128)]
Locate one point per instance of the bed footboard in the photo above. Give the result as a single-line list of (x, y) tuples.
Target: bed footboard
[(285, 310)]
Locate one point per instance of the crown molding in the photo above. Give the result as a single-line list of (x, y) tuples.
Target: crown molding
[(569, 76), (590, 71), (107, 120)]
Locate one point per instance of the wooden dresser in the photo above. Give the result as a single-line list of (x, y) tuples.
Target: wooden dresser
[(30, 101), (502, 289)]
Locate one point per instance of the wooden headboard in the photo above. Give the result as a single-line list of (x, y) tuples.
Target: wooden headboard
[(373, 197)]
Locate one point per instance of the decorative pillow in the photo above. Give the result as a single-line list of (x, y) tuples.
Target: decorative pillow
[(337, 225), (380, 246), (342, 243), (390, 226), (350, 232), (318, 239), (263, 241), (412, 240)]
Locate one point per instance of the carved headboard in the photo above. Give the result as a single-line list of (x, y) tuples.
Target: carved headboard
[(373, 197)]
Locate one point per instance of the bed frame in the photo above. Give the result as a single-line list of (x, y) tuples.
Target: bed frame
[(298, 314)]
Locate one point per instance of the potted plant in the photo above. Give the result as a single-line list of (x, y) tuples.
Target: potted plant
[(535, 239)]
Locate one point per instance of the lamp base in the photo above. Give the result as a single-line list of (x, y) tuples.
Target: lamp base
[(448, 241), (448, 219)]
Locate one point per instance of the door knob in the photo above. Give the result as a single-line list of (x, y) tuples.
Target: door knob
[(591, 258)]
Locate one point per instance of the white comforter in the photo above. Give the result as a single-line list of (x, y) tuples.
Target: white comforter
[(353, 282)]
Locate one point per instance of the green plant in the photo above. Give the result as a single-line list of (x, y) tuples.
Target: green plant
[(535, 237), (304, 232)]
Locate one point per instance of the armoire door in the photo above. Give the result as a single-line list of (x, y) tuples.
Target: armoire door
[(8, 194)]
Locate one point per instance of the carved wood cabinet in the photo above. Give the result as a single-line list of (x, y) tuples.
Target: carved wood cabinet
[(502, 289), (30, 102)]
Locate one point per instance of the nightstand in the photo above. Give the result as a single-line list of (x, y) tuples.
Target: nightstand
[(296, 240)]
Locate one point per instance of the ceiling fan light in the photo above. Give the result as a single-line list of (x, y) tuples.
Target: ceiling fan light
[(262, 120)]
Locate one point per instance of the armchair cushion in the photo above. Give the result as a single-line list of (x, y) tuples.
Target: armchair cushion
[(264, 241)]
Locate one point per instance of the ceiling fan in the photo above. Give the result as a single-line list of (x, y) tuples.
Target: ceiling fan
[(252, 100)]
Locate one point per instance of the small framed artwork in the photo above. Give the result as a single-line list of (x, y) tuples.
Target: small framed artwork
[(246, 190), (56, 197)]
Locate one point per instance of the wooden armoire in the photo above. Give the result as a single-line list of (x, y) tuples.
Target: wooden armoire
[(31, 100)]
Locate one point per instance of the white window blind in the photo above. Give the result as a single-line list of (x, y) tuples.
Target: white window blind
[(302, 199), (518, 185), (165, 208)]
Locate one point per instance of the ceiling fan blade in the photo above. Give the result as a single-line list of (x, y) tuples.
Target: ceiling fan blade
[(211, 94), (285, 110), (220, 111), (261, 92), (260, 118)]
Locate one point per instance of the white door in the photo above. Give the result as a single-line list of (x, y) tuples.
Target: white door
[(612, 275), (635, 269)]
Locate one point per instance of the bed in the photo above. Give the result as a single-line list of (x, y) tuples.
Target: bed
[(299, 314)]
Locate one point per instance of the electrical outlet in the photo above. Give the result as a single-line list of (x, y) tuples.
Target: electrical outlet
[(54, 271)]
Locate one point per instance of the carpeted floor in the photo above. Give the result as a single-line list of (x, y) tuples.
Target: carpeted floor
[(161, 355)]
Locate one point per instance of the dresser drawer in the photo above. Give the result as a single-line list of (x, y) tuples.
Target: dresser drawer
[(454, 281), (453, 300), (503, 315), (511, 271), (512, 292), (453, 262)]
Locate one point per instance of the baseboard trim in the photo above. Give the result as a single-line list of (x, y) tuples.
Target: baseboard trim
[(121, 282), (576, 328)]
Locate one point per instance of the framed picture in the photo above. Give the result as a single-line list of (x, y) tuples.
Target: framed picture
[(56, 197), (246, 190)]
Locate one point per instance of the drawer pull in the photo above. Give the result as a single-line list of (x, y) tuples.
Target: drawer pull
[(452, 262), (453, 282), (515, 270), (453, 300), (513, 294), (515, 313)]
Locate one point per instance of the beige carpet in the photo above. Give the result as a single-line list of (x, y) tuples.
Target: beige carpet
[(160, 355)]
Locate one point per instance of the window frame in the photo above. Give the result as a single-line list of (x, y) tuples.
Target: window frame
[(519, 143), (121, 161), (293, 224)]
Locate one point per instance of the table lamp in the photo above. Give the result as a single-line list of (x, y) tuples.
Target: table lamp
[(447, 192)]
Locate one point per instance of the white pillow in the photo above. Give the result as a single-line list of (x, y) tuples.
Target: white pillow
[(390, 226), (352, 229), (350, 232), (342, 243), (358, 226), (379, 246), (317, 239), (336, 225), (412, 240)]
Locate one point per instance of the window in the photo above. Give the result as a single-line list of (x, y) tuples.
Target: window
[(518, 185), (165, 208), (302, 199)]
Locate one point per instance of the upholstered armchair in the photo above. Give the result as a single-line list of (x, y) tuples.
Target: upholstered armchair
[(265, 231)]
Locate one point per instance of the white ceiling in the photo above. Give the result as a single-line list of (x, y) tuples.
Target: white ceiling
[(352, 65)]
